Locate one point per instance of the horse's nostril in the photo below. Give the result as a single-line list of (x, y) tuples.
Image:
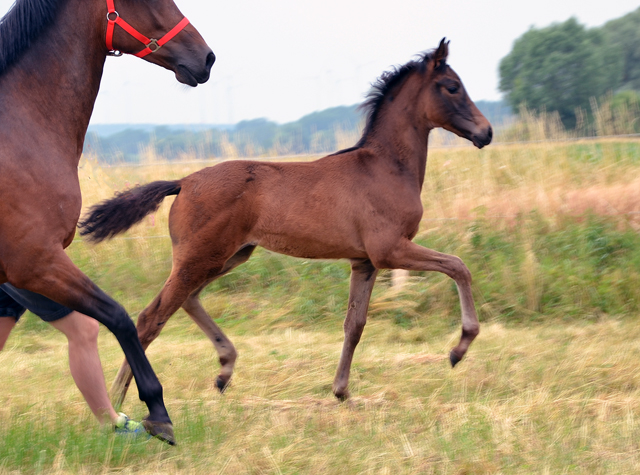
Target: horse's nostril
[(211, 58), (490, 133)]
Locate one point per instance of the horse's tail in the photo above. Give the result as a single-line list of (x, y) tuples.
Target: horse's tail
[(114, 216)]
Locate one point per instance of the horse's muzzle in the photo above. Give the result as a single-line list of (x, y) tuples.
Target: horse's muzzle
[(484, 138), (191, 76)]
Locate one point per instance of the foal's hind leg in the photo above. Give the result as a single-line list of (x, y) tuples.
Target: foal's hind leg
[(363, 276), (182, 281), (411, 256), (155, 316), (226, 351)]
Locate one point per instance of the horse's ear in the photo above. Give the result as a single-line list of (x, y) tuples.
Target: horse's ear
[(440, 56)]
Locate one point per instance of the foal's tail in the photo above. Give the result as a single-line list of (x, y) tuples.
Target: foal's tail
[(114, 216)]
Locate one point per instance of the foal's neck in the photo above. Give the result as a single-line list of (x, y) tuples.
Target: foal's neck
[(400, 136), (55, 83)]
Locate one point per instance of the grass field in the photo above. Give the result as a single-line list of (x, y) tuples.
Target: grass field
[(551, 385)]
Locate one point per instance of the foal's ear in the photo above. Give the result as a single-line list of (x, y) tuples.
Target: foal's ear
[(440, 56)]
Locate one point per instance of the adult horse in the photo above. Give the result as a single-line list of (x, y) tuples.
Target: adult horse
[(361, 204), (52, 54)]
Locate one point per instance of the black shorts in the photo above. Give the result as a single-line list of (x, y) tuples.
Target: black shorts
[(14, 302)]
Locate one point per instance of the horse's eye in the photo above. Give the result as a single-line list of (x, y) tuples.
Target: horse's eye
[(452, 89)]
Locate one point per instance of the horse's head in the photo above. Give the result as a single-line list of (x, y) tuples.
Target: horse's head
[(156, 31), (447, 103)]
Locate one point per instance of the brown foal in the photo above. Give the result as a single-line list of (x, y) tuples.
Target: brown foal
[(361, 204)]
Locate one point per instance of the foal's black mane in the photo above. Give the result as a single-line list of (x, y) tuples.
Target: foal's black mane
[(24, 22), (381, 89)]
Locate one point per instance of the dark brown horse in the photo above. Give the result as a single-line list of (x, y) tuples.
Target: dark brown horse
[(52, 54), (362, 204)]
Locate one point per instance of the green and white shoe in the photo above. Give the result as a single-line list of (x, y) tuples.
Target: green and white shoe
[(129, 427)]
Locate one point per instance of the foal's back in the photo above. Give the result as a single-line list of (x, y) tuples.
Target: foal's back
[(319, 209)]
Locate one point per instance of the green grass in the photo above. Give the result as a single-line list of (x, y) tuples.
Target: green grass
[(527, 399), (551, 385), (577, 269)]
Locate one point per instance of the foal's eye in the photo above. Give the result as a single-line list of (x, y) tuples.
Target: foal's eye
[(452, 89)]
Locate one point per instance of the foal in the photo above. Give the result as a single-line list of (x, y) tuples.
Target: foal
[(362, 204)]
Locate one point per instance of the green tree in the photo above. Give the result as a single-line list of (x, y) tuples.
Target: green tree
[(560, 68), (623, 34)]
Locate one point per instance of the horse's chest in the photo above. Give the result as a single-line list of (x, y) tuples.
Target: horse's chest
[(51, 207)]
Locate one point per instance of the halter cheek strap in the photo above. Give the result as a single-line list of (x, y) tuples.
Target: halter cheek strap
[(151, 45)]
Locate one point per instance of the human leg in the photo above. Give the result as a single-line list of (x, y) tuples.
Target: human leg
[(84, 362), (6, 325), (10, 312)]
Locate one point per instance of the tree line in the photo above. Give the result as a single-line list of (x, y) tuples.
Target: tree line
[(563, 67), (320, 132)]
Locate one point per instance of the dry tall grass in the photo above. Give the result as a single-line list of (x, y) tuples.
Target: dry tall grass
[(552, 397), (553, 179)]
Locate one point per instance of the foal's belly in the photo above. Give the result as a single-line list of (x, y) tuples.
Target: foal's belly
[(311, 248)]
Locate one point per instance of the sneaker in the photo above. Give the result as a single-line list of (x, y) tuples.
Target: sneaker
[(126, 426)]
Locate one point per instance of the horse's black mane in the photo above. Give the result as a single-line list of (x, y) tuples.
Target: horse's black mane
[(381, 89), (24, 22)]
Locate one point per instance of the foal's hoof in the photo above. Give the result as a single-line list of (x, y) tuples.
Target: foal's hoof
[(221, 384), (342, 396), (160, 430), (455, 359)]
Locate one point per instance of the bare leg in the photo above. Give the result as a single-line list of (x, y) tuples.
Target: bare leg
[(411, 256), (6, 325), (363, 276), (84, 363)]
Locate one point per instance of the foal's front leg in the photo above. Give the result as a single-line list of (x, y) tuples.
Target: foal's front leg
[(411, 256), (363, 276)]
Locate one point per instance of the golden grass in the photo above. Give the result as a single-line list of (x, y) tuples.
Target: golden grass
[(554, 179), (546, 398), (564, 399)]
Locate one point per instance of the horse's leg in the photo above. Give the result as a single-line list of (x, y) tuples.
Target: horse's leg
[(227, 353), (182, 281), (149, 328), (56, 277), (363, 276), (411, 256)]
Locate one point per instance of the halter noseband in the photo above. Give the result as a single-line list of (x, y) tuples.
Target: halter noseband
[(151, 45)]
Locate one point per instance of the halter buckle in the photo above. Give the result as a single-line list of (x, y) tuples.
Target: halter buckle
[(109, 16), (115, 53), (153, 45)]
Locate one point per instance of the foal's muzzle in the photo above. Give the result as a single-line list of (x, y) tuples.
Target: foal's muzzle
[(483, 138)]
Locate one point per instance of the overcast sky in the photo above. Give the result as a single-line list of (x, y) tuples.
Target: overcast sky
[(282, 59)]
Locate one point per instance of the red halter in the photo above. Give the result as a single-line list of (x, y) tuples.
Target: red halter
[(151, 45)]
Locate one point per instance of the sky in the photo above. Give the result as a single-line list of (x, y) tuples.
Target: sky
[(282, 59)]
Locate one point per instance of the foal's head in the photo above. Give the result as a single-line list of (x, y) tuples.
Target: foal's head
[(429, 94), (445, 101), (186, 53)]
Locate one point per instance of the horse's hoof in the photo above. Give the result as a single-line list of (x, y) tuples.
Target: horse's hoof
[(342, 395), (454, 359), (160, 430), (221, 384)]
